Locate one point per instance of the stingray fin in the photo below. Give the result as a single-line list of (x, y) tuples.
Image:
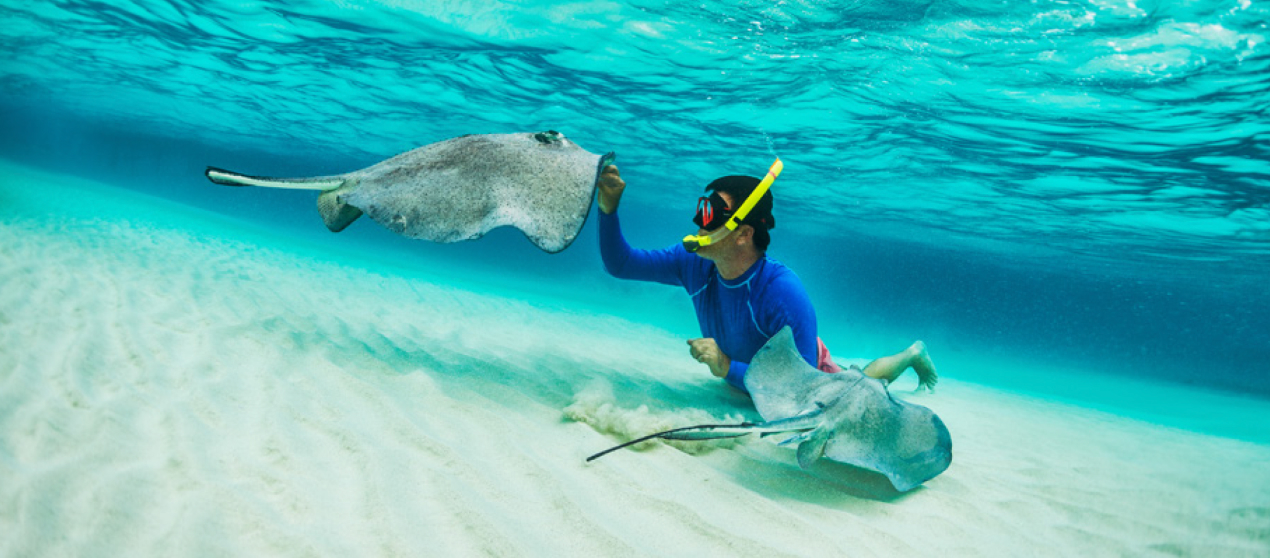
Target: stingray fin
[(230, 178), (335, 212), (812, 449)]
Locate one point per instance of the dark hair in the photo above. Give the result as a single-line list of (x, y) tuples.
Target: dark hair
[(740, 188)]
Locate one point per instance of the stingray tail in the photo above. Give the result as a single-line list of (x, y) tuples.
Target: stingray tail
[(699, 432), (230, 178), (336, 213)]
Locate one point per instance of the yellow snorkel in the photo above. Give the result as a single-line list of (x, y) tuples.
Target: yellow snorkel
[(693, 242)]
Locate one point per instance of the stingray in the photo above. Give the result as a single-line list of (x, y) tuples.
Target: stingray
[(845, 416), (458, 189)]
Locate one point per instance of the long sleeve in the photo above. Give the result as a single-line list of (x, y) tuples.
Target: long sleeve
[(790, 306), (736, 375), (622, 261)]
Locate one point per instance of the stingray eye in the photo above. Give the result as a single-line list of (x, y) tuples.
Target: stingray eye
[(548, 137)]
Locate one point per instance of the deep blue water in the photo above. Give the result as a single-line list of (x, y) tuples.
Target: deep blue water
[(1063, 182)]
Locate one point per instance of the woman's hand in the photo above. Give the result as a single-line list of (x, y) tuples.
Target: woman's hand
[(611, 186), (706, 351)]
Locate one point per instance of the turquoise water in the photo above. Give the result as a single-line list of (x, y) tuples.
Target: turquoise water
[(1083, 184)]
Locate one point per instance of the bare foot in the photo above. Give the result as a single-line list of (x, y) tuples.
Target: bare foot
[(923, 366)]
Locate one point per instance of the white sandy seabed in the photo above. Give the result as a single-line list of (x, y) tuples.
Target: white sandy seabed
[(184, 385)]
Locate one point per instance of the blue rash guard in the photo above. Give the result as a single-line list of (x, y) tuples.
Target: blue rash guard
[(740, 314)]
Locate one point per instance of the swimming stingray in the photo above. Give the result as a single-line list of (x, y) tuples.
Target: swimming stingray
[(844, 416), (460, 188)]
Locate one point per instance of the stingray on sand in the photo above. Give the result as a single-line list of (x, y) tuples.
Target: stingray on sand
[(845, 416), (458, 189)]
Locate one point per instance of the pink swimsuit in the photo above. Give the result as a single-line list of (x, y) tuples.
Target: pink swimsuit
[(823, 362)]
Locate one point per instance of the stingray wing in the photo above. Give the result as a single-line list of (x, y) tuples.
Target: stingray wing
[(461, 188), (869, 428), (783, 385)]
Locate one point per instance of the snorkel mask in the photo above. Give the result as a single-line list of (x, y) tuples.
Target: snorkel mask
[(708, 211)]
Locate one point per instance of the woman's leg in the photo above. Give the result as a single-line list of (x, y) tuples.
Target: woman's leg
[(890, 367)]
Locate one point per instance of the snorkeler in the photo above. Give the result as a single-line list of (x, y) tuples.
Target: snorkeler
[(741, 296)]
